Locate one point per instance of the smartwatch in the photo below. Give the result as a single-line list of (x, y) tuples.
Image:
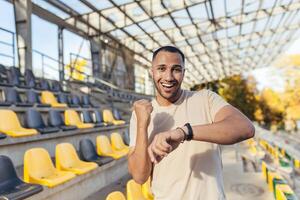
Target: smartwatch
[(190, 133)]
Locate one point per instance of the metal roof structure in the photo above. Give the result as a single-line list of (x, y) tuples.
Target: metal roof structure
[(219, 37)]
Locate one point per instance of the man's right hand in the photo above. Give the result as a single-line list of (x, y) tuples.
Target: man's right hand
[(143, 109)]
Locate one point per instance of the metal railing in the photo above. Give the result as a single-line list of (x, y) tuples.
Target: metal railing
[(9, 45)]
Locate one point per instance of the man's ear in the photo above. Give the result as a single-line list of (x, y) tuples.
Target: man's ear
[(151, 72)]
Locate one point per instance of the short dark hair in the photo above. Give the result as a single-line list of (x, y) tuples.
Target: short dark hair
[(168, 49)]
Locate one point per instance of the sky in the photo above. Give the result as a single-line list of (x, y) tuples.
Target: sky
[(44, 40)]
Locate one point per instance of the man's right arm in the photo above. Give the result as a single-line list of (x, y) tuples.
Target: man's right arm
[(139, 163)]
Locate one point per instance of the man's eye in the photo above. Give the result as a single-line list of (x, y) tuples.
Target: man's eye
[(160, 69), (178, 70)]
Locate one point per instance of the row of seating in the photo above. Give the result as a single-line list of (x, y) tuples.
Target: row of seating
[(12, 77), (10, 124), (277, 184), (134, 191), (40, 170), (46, 99)]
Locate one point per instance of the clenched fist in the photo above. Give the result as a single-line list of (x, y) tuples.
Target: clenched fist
[(143, 109)]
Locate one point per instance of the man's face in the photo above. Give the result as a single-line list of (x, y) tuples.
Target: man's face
[(167, 72)]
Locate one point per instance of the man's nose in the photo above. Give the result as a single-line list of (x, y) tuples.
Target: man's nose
[(169, 76)]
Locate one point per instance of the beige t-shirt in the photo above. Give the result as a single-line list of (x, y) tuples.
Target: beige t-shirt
[(193, 171)]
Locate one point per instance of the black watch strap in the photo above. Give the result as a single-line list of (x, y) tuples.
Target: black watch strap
[(190, 133)]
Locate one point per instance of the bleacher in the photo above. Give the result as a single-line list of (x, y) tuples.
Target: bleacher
[(279, 169), (57, 141)]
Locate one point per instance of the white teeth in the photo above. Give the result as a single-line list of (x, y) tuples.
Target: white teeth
[(167, 85)]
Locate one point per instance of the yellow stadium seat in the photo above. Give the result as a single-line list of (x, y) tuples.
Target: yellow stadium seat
[(39, 169), (297, 163), (104, 148), (72, 118), (271, 177), (49, 98), (66, 159), (134, 191), (109, 118), (264, 170), (146, 189), (117, 143), (282, 190), (10, 125), (116, 196)]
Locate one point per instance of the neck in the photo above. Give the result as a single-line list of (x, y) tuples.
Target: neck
[(166, 102)]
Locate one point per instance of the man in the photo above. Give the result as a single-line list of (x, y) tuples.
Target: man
[(175, 137)]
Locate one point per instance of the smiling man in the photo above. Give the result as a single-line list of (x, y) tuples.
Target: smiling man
[(175, 138)]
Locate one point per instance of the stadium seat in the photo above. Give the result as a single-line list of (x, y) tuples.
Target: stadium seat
[(33, 119), (14, 76), (117, 114), (88, 153), (2, 136), (75, 101), (12, 96), (72, 118), (66, 159), (55, 120), (134, 191), (109, 118), (44, 85), (99, 118), (87, 118), (115, 196), (49, 98), (11, 186), (30, 80), (117, 143), (38, 168), (56, 87), (104, 148), (3, 77), (284, 192), (86, 102), (33, 98), (10, 125), (146, 190)]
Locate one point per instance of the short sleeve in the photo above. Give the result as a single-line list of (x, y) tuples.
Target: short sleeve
[(215, 103), (132, 130)]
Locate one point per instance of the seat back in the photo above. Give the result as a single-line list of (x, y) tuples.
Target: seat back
[(3, 70), (55, 86), (134, 191), (12, 96), (55, 119), (32, 97), (48, 97), (146, 190), (103, 145), (75, 100), (72, 117), (37, 163), (14, 80), (29, 78), (117, 141), (9, 120), (117, 114), (33, 119), (65, 155), (7, 171), (87, 118), (86, 100), (116, 196), (98, 116), (63, 98), (44, 84), (108, 116), (87, 150)]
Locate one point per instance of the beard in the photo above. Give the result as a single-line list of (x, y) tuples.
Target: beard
[(169, 96)]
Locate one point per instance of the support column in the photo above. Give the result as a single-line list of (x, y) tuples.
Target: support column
[(61, 54), (96, 57), (23, 10)]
